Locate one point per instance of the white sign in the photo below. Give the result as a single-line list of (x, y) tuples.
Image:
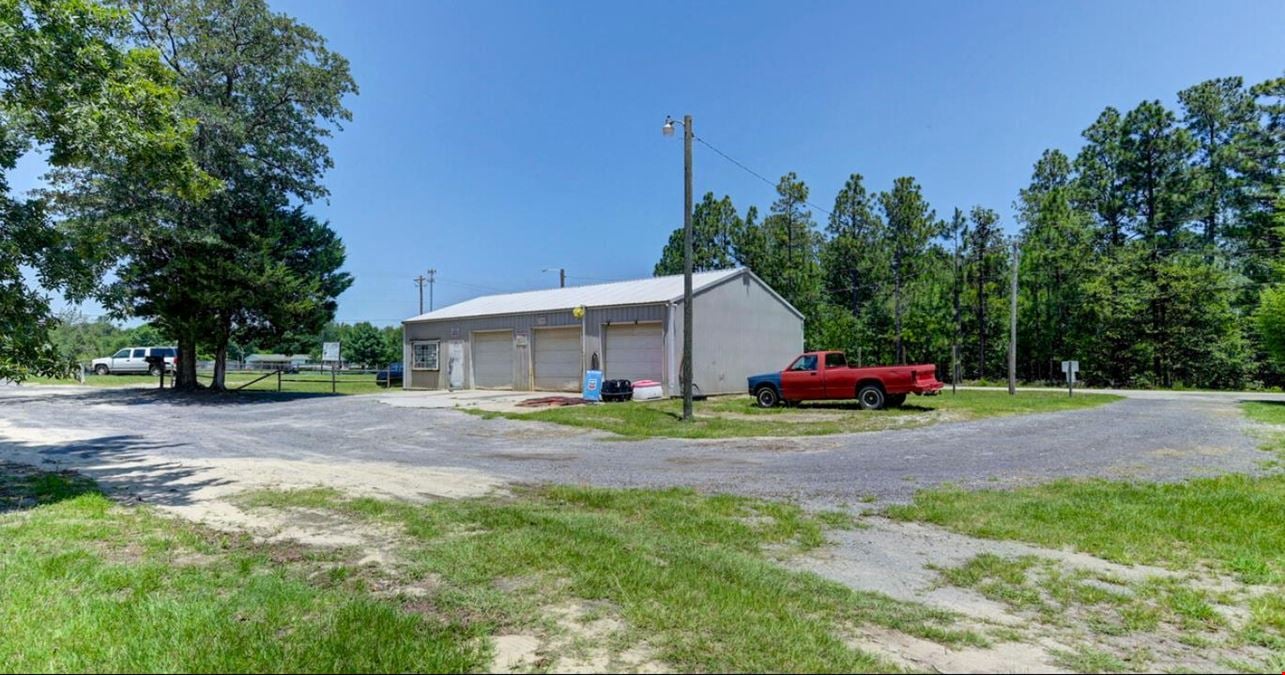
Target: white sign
[(330, 351), (1071, 368)]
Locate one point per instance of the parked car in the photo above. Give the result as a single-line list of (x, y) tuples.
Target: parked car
[(133, 360), (826, 376), (390, 376)]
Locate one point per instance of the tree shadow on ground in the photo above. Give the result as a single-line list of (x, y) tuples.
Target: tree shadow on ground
[(24, 487), (122, 467), (144, 396)]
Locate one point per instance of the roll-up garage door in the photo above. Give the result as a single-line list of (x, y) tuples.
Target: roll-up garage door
[(557, 359), (493, 359), (634, 352)]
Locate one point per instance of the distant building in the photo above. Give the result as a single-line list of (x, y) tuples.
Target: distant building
[(272, 361), (545, 340)]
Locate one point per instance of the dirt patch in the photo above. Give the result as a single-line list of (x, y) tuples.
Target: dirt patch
[(917, 654), (580, 637), (1072, 604)]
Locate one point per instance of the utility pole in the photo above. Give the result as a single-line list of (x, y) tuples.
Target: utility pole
[(562, 277), (687, 267), (686, 373), (420, 281), (1012, 325), (432, 279)]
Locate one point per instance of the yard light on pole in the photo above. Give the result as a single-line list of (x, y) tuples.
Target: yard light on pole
[(686, 374), (562, 275)]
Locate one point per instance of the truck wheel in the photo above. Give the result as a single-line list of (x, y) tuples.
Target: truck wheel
[(100, 369), (871, 397), (154, 371), (895, 400), (766, 397)]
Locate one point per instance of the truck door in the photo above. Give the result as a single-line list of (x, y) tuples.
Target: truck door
[(802, 381), (839, 382)]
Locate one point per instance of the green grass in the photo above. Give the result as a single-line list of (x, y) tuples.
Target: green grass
[(1229, 524), (686, 573), (1267, 412), (1233, 522), (737, 416), (89, 585)]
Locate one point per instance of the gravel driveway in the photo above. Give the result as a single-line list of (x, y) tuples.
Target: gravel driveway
[(1154, 437)]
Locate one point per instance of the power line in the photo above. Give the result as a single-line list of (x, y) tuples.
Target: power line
[(752, 172)]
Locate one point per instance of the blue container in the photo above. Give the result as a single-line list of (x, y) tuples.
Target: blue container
[(592, 390)]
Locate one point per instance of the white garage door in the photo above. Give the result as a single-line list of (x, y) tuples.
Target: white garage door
[(557, 359), (633, 352), (493, 359)]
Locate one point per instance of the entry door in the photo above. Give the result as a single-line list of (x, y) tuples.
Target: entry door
[(634, 352), (557, 355), (493, 359), (455, 364)]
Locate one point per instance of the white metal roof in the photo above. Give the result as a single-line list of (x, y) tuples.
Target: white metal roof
[(638, 292)]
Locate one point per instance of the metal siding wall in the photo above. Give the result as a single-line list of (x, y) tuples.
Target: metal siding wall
[(740, 330), (461, 329), (596, 318)]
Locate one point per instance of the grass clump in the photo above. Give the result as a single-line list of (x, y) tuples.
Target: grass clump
[(1229, 521), (92, 586), (692, 576), (738, 416)]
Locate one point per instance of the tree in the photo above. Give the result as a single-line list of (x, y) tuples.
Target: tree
[(1221, 117), (715, 226), (1057, 254), (1271, 321), (1101, 181), (277, 275), (853, 266), (265, 93), (365, 346), (1158, 185), (909, 224), (792, 234), (984, 242), (68, 86)]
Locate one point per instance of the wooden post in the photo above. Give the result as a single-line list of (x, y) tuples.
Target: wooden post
[(687, 268), (278, 380)]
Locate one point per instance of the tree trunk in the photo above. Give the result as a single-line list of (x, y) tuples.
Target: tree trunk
[(185, 378), (896, 302), (981, 318), (221, 357)]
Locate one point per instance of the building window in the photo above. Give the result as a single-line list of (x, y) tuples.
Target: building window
[(424, 355)]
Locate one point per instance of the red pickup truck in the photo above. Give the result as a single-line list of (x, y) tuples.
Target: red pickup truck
[(817, 376)]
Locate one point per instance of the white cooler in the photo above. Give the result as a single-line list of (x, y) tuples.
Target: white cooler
[(647, 390)]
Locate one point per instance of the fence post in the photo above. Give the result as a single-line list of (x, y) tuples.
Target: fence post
[(278, 380), (332, 378)]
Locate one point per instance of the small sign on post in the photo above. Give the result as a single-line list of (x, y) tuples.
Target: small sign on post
[(1071, 368), (330, 353)]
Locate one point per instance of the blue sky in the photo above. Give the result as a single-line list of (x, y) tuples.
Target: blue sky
[(493, 139)]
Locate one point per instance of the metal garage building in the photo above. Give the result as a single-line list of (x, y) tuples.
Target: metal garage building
[(630, 330)]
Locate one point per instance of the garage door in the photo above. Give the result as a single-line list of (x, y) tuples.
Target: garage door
[(493, 359), (633, 352), (557, 359)]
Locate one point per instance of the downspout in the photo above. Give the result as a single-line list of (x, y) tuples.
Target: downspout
[(672, 344)]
